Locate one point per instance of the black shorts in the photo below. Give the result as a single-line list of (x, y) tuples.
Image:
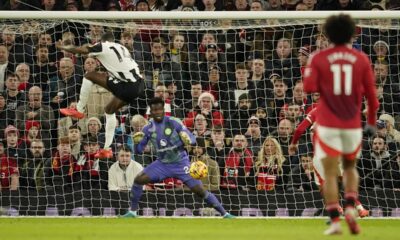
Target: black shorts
[(126, 91)]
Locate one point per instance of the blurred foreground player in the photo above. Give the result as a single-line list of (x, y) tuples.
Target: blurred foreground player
[(309, 122), (169, 137), (342, 76)]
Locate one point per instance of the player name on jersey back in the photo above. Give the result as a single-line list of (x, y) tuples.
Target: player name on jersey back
[(118, 61), (343, 76)]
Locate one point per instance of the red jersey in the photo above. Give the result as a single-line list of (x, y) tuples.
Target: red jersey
[(8, 167), (342, 76), (312, 116)]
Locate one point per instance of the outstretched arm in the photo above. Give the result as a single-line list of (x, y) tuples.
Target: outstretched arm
[(73, 49), (300, 130)]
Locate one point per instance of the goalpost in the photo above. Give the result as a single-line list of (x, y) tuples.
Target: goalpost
[(212, 50)]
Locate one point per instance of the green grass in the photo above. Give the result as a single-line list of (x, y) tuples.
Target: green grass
[(185, 228)]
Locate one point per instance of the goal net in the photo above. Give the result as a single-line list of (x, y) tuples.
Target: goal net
[(234, 82)]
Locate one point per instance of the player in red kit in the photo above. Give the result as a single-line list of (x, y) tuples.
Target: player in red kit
[(308, 122), (342, 76)]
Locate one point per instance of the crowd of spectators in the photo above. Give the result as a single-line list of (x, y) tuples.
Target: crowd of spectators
[(238, 90), (195, 5)]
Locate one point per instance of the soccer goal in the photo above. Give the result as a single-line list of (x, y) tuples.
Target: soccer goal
[(233, 78)]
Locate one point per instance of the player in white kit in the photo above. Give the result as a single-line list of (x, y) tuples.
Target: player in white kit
[(122, 79)]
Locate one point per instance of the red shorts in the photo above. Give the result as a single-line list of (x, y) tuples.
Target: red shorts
[(334, 142)]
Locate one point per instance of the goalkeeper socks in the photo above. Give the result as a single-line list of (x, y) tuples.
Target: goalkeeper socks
[(213, 201), (111, 123), (351, 198), (136, 194), (84, 95), (333, 211)]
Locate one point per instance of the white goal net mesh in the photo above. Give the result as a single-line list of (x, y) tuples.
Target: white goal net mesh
[(236, 84)]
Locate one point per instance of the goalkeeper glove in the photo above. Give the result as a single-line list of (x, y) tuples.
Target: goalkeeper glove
[(137, 137), (369, 130), (185, 138)]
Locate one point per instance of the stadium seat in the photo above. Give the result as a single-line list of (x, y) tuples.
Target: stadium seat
[(9, 212), (51, 211), (80, 211), (109, 211), (282, 212), (183, 212), (376, 212), (148, 212), (252, 212), (309, 212), (395, 212)]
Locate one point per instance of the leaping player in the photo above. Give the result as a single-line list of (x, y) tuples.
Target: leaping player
[(122, 80), (342, 76), (309, 122)]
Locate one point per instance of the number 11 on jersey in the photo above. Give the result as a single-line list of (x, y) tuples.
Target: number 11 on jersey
[(337, 70)]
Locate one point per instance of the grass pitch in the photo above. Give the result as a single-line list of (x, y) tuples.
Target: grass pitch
[(185, 228)]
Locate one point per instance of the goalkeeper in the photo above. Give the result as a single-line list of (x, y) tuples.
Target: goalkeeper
[(169, 137)]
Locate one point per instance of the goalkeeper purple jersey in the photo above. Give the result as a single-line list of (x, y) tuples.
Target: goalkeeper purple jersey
[(165, 138)]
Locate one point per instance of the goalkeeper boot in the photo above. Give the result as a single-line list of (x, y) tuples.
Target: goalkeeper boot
[(72, 112), (334, 229), (104, 153), (228, 216), (351, 215), (130, 214)]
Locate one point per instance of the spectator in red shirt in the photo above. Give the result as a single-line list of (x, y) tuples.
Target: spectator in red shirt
[(89, 165), (61, 168), (206, 107), (32, 132), (9, 174), (269, 167), (238, 165)]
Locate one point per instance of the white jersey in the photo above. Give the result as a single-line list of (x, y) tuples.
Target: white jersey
[(117, 60)]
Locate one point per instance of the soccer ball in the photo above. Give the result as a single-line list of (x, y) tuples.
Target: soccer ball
[(198, 170)]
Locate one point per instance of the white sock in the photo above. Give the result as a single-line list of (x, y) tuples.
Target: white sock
[(359, 207), (84, 95), (111, 123)]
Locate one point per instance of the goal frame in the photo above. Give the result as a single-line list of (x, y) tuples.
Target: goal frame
[(239, 15)]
